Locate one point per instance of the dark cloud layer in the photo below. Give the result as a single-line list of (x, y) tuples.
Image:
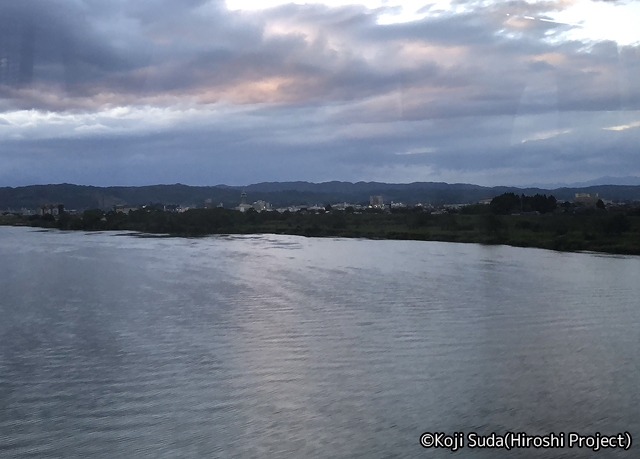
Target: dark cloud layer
[(134, 92)]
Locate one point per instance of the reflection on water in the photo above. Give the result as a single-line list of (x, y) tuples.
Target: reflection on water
[(281, 346)]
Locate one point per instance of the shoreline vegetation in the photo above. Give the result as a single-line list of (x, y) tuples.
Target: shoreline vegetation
[(510, 219)]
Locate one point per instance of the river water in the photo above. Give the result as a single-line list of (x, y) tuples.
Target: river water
[(113, 345)]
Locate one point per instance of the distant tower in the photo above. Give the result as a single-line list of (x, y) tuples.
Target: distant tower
[(243, 207)]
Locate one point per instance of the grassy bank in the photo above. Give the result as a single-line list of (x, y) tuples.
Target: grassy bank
[(594, 231)]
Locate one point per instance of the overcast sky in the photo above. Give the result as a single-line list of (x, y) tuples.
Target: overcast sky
[(203, 92)]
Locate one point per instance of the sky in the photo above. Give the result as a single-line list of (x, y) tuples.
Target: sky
[(206, 92)]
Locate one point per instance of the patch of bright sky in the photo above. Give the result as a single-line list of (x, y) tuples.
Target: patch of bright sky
[(120, 120), (601, 20), (404, 10), (546, 135), (623, 127), (598, 20), (417, 151)]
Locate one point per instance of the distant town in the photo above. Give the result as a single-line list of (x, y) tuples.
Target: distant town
[(580, 203)]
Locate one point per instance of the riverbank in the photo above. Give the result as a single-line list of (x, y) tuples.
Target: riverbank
[(617, 233)]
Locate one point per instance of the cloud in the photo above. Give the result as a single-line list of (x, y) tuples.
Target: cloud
[(418, 151), (546, 135), (304, 91), (623, 127), (138, 54)]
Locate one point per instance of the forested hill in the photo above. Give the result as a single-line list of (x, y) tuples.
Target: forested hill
[(281, 194)]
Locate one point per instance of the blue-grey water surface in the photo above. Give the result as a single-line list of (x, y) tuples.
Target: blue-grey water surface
[(288, 347)]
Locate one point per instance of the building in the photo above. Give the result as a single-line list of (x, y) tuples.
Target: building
[(261, 206), (376, 201), (586, 199), (51, 209), (343, 206), (243, 207)]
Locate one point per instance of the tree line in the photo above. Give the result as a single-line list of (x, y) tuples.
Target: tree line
[(509, 203)]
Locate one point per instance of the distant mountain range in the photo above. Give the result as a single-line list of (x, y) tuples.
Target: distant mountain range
[(287, 193), (629, 180)]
